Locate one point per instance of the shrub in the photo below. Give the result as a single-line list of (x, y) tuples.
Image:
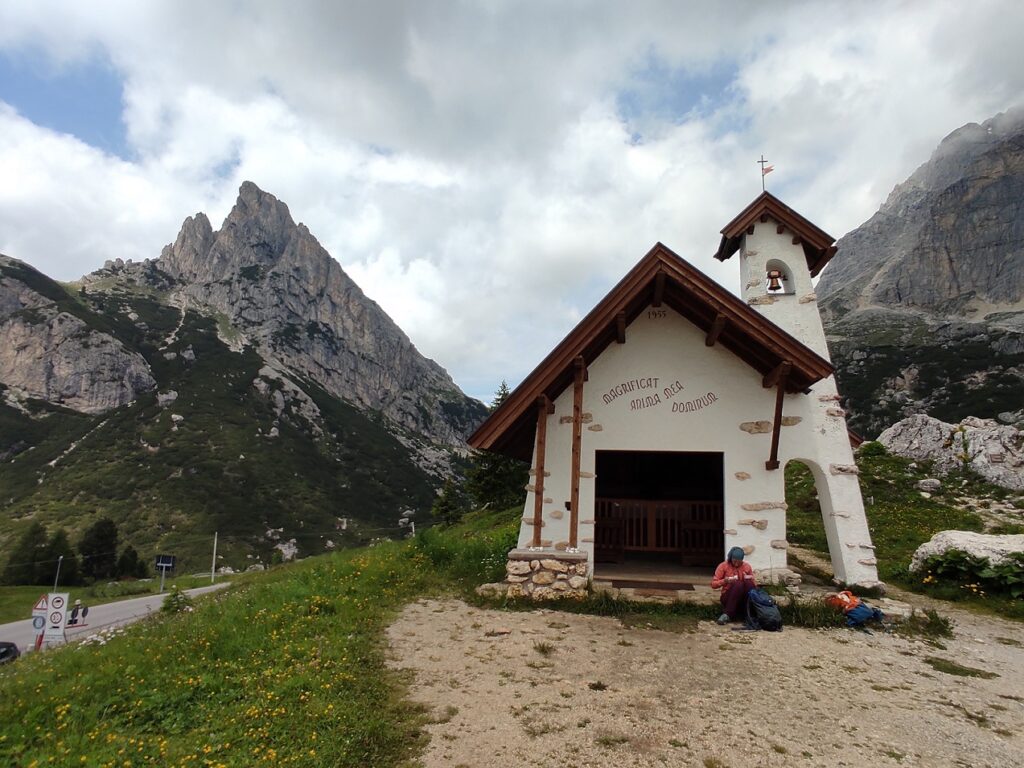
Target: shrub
[(177, 602), (872, 448), (976, 574)]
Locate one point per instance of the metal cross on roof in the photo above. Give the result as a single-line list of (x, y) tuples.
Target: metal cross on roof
[(765, 170)]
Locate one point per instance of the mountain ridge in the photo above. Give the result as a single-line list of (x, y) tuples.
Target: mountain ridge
[(239, 421)]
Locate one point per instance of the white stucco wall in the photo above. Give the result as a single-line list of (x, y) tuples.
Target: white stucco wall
[(663, 352)]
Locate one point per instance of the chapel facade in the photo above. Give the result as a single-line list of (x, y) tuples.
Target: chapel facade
[(658, 430)]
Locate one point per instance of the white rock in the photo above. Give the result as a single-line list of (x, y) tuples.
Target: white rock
[(177, 418), (995, 548), (994, 451), (163, 399), (929, 484)]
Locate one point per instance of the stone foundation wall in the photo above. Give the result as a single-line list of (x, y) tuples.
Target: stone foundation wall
[(542, 575)]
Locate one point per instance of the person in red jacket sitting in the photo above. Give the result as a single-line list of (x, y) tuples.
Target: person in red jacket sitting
[(736, 579)]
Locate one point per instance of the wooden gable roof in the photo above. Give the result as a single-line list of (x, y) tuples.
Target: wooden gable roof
[(819, 246), (661, 277)]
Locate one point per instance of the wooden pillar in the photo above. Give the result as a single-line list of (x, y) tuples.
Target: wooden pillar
[(777, 377), (544, 407), (577, 444)]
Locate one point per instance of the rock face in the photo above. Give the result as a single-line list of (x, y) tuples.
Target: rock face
[(924, 303), (995, 451), (284, 293), (993, 548), (51, 353)]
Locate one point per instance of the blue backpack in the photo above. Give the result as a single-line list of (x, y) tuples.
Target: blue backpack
[(863, 613), (762, 611)]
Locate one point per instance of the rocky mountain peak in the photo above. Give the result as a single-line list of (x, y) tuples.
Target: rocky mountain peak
[(924, 302), (949, 238), (285, 294)]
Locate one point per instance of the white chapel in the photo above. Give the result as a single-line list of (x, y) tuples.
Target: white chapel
[(658, 430)]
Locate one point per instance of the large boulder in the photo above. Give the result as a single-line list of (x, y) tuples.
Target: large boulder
[(994, 451), (994, 548)]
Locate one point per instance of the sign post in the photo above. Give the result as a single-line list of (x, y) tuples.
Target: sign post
[(164, 563), (39, 613), (56, 619)]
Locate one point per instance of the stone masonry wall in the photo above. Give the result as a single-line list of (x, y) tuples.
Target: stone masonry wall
[(542, 576)]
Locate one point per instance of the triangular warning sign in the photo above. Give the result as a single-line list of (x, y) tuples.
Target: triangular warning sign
[(41, 604)]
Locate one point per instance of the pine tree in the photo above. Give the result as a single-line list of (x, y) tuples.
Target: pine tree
[(130, 565), (28, 557), (493, 480), (98, 549), (448, 507)]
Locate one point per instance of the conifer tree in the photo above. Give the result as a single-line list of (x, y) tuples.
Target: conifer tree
[(493, 480), (98, 549), (130, 565), (28, 557), (448, 507)]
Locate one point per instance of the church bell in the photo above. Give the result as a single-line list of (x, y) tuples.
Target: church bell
[(774, 279)]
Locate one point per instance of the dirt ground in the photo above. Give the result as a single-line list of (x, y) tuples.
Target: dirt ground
[(549, 688)]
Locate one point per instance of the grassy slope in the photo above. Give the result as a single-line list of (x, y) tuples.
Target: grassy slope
[(899, 517), (214, 472), (287, 668)]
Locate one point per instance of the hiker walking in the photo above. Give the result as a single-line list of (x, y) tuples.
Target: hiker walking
[(736, 579)]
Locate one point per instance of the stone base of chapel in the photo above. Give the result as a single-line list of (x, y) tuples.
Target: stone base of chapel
[(542, 575)]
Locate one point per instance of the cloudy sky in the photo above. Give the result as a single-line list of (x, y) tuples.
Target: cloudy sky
[(485, 170)]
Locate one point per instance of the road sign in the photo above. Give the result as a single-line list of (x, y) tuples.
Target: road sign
[(58, 616), (39, 612), (165, 562)]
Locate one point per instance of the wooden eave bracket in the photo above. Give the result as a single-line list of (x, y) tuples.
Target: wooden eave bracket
[(579, 366), (659, 289), (620, 327), (779, 372), (717, 326)]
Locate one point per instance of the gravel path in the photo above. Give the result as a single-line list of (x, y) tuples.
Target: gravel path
[(546, 688)]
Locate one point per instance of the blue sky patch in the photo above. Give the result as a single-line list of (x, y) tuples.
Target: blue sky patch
[(83, 99), (662, 94)]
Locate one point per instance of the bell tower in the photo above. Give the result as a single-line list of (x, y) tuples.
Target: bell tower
[(780, 252)]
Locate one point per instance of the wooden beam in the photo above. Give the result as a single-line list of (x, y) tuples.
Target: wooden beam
[(659, 289), (773, 457), (717, 326), (780, 371), (797, 240), (577, 445), (750, 229), (620, 327), (764, 217), (779, 229), (544, 407)]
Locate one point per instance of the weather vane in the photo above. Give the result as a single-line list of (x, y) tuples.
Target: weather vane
[(765, 170)]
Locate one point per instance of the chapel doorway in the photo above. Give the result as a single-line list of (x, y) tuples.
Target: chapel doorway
[(659, 506)]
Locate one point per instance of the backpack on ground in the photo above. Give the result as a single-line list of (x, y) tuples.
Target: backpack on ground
[(863, 613), (762, 611)]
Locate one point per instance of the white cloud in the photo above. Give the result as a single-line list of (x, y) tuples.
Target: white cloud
[(467, 164)]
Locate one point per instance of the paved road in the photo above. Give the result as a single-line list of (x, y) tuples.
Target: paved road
[(100, 617)]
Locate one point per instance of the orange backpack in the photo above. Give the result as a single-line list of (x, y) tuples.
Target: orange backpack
[(843, 601)]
